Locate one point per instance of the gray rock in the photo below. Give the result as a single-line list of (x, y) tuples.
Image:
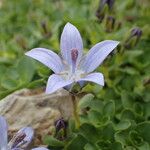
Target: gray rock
[(34, 108)]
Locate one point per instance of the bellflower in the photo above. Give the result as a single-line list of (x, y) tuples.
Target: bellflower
[(20, 140), (73, 67)]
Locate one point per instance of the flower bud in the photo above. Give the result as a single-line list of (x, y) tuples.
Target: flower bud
[(134, 37), (110, 23), (104, 6), (21, 42), (44, 27), (118, 25), (136, 32), (60, 124), (46, 31)]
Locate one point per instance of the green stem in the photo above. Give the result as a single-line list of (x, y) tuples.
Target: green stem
[(75, 110)]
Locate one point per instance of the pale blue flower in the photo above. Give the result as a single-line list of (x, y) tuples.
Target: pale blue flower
[(20, 140), (73, 67)]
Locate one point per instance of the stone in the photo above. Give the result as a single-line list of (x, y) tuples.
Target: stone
[(36, 109)]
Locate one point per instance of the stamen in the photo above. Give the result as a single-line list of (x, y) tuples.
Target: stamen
[(18, 139), (74, 56)]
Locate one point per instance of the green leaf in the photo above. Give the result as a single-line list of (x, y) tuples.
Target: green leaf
[(2, 71), (144, 130), (90, 146), (107, 132), (96, 105), (104, 144), (135, 138), (122, 125), (144, 146), (26, 69), (146, 109), (95, 117), (36, 83), (5, 93), (50, 140), (127, 100), (130, 148), (10, 79), (127, 115), (85, 101), (109, 109), (122, 137), (43, 71), (138, 108), (116, 146), (89, 132), (77, 143), (9, 83)]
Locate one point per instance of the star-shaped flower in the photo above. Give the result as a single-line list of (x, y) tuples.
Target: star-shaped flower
[(73, 67), (20, 140)]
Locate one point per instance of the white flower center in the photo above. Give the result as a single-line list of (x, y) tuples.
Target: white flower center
[(68, 75)]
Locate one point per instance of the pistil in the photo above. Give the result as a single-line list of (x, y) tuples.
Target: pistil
[(74, 56), (17, 139)]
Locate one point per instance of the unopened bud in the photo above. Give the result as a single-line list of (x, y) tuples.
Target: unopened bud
[(118, 25), (104, 6), (110, 3), (21, 42), (44, 27), (60, 124), (61, 129), (46, 32), (133, 38), (110, 23), (136, 32)]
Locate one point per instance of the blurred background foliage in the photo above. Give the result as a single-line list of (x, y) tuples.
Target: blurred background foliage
[(117, 116)]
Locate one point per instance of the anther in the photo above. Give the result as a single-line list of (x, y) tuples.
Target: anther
[(74, 55), (18, 139)]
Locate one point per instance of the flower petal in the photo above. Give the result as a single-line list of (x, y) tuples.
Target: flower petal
[(3, 133), (56, 82), (40, 148), (94, 77), (22, 138), (70, 39), (97, 54), (47, 57)]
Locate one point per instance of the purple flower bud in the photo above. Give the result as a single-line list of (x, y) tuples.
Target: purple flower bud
[(133, 38), (136, 32), (100, 15), (110, 3), (60, 124), (103, 6)]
